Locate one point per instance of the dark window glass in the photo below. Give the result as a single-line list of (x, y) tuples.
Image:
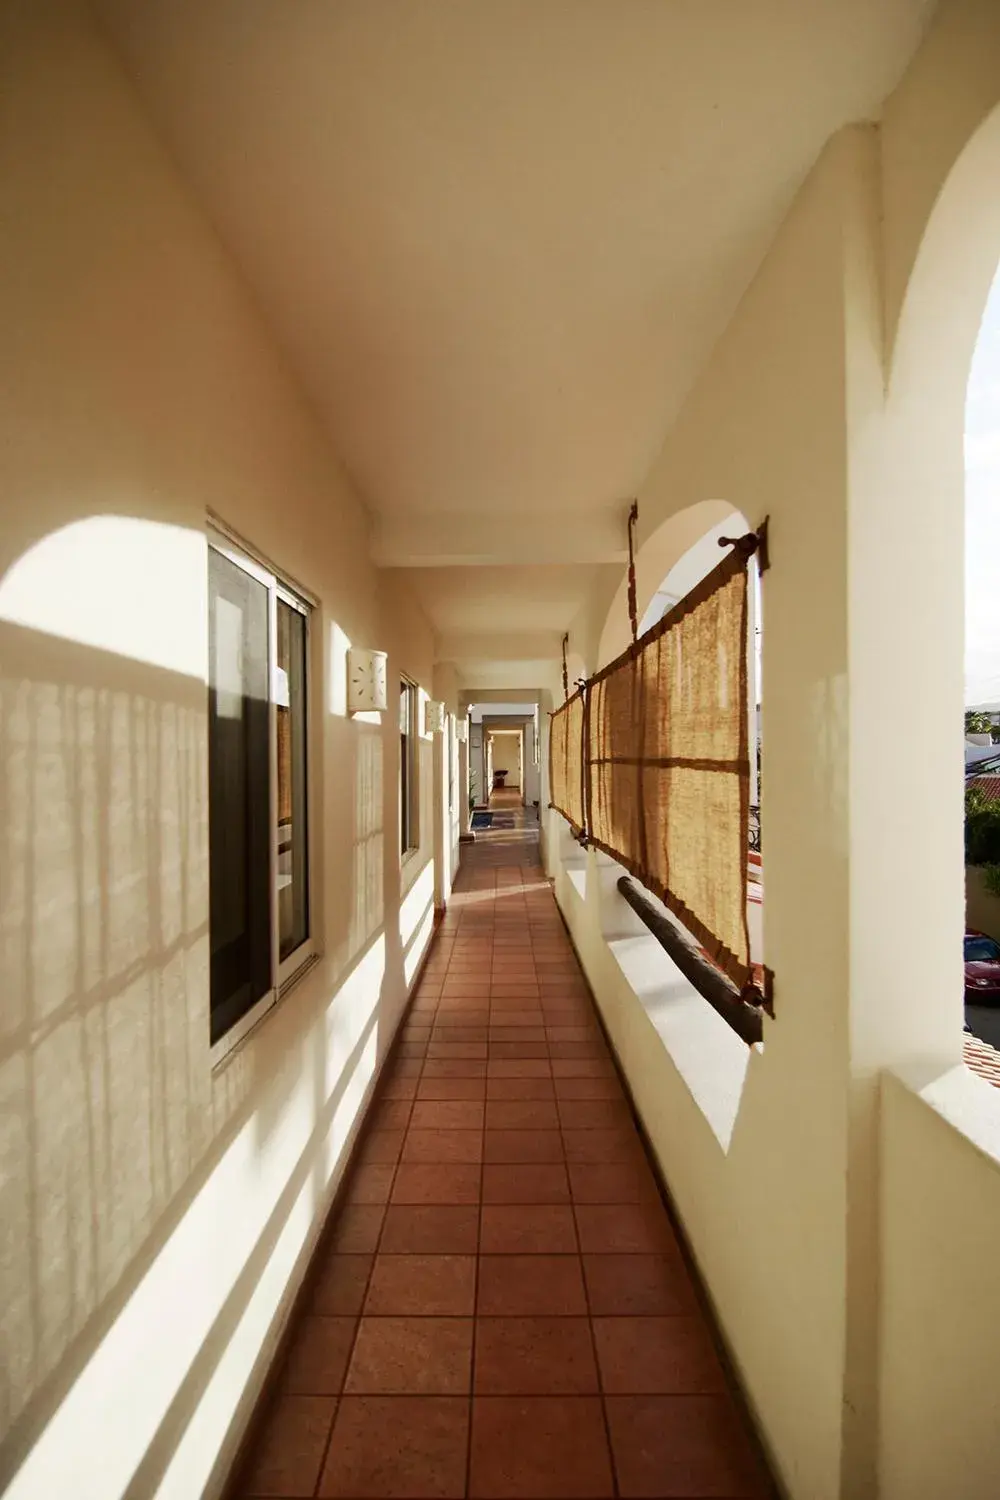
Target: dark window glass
[(293, 853), (409, 749), (238, 789), (404, 766)]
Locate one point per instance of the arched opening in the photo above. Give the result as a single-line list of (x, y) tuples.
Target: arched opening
[(981, 944), (908, 857), (658, 551)]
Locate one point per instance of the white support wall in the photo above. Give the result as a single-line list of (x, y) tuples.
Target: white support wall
[(853, 1161)]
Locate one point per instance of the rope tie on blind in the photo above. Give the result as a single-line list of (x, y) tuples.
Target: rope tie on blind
[(633, 609), (565, 643)]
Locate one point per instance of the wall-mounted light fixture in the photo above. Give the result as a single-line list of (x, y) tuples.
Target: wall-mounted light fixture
[(433, 717), (366, 681), (462, 729)]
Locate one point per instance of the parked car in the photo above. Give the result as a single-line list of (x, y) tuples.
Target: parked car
[(982, 969)]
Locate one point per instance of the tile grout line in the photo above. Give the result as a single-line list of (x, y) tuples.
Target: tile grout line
[(602, 1394), (475, 1294), (483, 939), (368, 1282)]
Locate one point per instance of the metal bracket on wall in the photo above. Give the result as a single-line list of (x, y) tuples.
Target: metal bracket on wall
[(762, 999), (753, 542)]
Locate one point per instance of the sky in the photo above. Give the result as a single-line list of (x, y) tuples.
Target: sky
[(982, 512)]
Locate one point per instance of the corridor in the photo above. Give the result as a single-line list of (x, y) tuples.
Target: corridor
[(380, 382), (499, 1305)]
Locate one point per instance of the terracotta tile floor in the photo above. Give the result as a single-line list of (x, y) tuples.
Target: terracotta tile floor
[(500, 1307)]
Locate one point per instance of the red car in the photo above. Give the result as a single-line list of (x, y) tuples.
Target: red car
[(982, 969)]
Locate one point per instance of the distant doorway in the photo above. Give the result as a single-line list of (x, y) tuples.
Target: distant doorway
[(504, 738), (506, 762)]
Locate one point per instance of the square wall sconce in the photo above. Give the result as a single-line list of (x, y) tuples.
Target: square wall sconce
[(366, 681), (433, 717), (462, 730)]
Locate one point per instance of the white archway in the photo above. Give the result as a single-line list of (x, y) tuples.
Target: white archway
[(656, 556), (907, 600)]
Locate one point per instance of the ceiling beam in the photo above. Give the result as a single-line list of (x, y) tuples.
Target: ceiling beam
[(499, 539), (535, 645)]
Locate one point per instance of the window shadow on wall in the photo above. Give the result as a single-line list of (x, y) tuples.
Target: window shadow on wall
[(104, 1027), (113, 1120)]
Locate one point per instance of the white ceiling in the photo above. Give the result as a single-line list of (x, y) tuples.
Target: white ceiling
[(476, 599), (498, 240)]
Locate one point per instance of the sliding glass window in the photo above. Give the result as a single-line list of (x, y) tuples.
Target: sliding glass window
[(293, 833), (409, 767), (260, 934)]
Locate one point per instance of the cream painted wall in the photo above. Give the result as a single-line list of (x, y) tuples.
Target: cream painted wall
[(155, 1218)]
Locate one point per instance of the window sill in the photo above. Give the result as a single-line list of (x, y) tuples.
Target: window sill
[(230, 1043), (710, 1058), (238, 1034), (305, 967)]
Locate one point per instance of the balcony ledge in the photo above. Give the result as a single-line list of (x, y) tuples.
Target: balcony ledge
[(710, 1058)]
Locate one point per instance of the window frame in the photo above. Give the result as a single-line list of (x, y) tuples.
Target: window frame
[(409, 821), (450, 741), (284, 973)]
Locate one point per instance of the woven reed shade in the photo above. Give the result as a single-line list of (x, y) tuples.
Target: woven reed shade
[(668, 771), (566, 744)]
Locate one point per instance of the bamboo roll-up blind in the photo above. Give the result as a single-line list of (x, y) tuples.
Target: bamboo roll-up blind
[(668, 768), (566, 767)]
